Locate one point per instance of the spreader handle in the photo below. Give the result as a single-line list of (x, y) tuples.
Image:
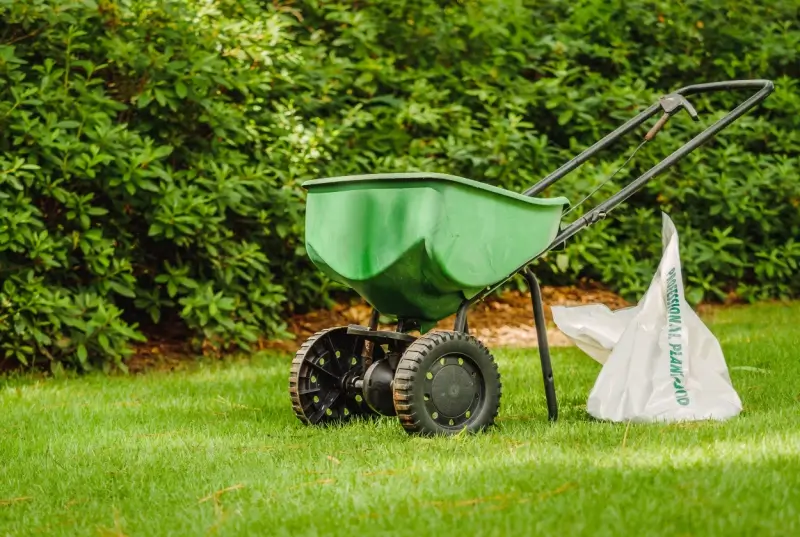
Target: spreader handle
[(765, 87), (611, 203), (657, 127)]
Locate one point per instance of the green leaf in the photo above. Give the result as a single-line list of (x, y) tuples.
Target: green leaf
[(14, 182), (565, 116), (68, 124), (160, 97), (82, 354), (562, 262), (102, 339), (695, 295), (143, 99), (162, 151), (121, 289), (189, 283), (180, 89)]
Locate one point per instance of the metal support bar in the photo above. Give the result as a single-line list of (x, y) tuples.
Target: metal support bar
[(383, 336), (369, 346), (461, 318), (544, 348), (374, 318)]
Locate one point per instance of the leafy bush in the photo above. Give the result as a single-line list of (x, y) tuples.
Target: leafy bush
[(151, 150), (506, 91), (147, 157)]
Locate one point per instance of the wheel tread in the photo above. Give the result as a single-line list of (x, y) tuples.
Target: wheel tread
[(294, 373), (411, 362)]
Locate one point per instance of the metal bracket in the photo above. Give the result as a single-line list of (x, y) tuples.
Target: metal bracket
[(380, 336), (674, 102), (671, 104)]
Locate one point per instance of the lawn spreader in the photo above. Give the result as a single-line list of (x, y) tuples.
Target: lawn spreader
[(419, 247)]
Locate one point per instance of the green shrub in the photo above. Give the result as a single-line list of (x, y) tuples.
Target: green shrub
[(147, 160), (505, 91), (151, 150)]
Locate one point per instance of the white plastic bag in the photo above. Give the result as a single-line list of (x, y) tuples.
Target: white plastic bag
[(660, 362)]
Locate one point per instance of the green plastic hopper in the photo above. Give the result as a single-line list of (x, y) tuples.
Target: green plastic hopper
[(415, 245)]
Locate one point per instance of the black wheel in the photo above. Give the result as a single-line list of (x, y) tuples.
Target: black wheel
[(321, 378), (446, 382)]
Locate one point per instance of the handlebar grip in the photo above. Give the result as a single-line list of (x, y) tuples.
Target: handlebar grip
[(657, 127)]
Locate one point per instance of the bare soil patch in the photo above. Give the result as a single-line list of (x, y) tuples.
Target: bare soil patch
[(501, 321)]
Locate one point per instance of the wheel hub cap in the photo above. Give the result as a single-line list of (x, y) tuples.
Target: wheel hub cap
[(453, 390)]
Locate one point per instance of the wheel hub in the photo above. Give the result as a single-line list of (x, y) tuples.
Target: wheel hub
[(453, 390), (377, 387)]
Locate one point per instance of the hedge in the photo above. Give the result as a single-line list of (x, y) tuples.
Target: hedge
[(151, 151)]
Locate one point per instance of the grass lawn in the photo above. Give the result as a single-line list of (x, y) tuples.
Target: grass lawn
[(216, 449)]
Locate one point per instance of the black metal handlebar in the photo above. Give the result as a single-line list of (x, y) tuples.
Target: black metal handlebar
[(764, 87)]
